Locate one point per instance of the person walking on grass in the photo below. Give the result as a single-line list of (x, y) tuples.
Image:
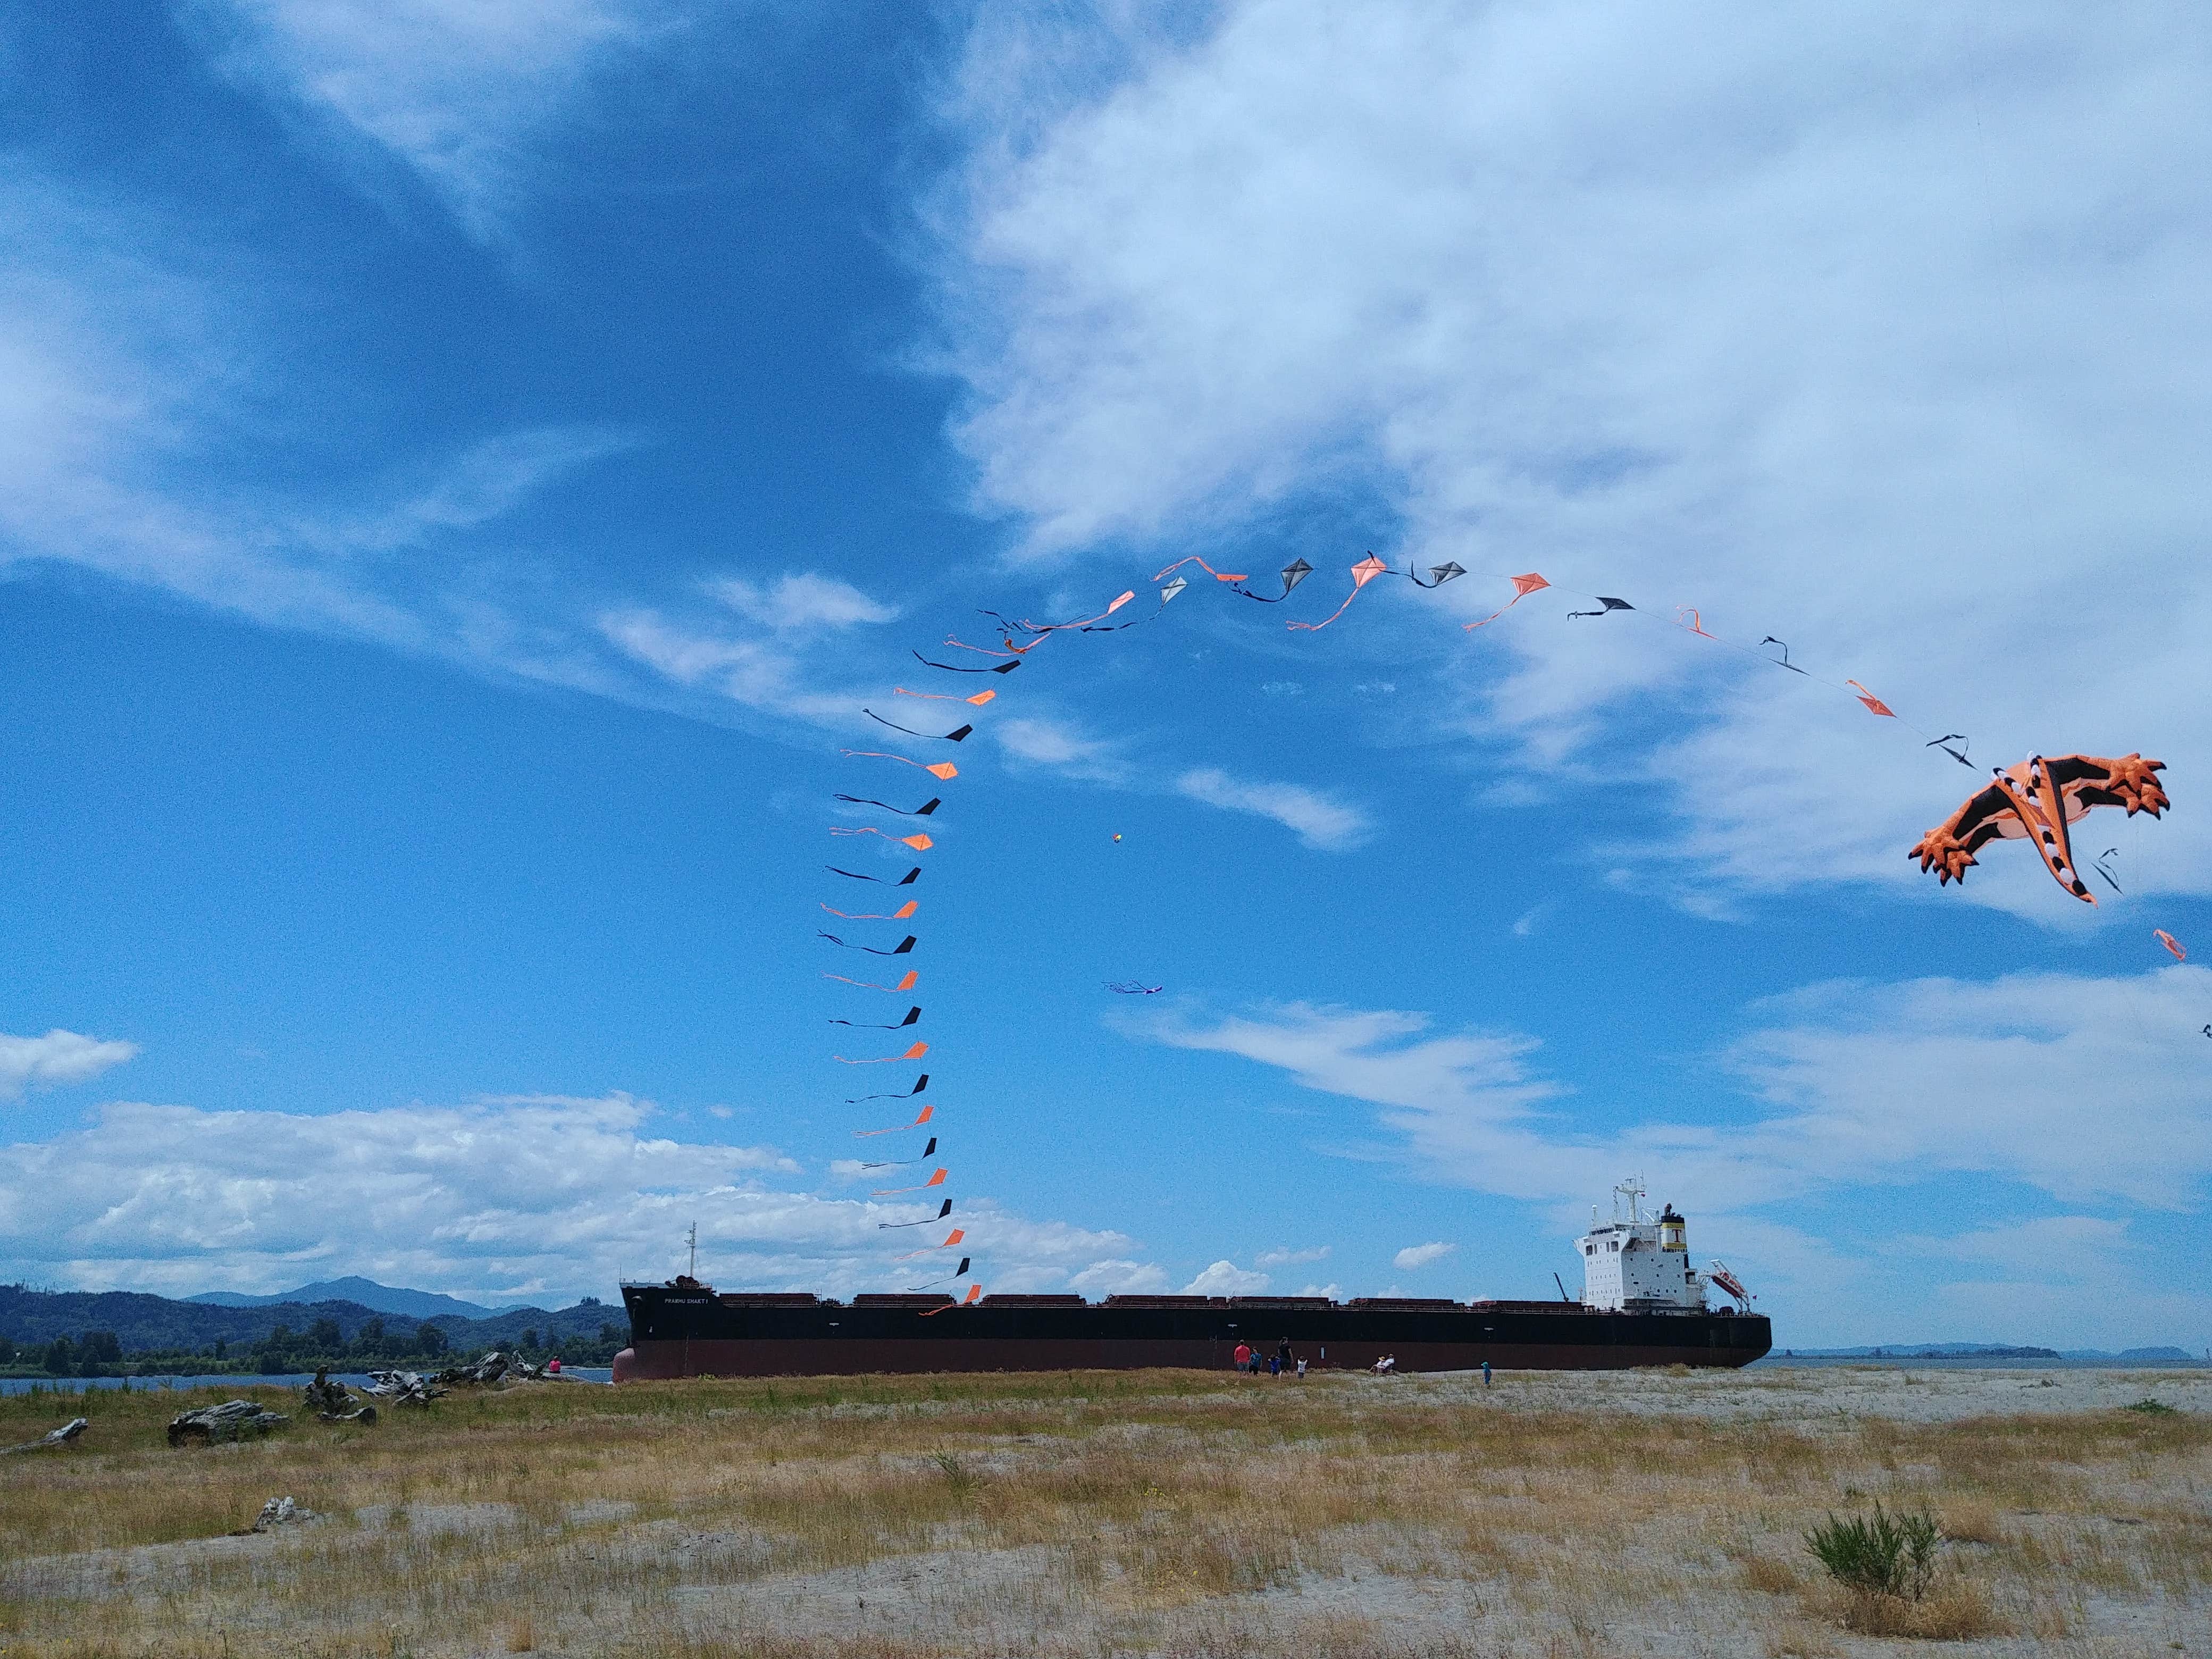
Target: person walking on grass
[(1485, 1373), (1302, 1370), (1243, 1356)]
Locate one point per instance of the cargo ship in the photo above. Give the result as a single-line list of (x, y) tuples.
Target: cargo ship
[(1643, 1304)]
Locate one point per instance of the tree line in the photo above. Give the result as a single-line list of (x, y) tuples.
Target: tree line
[(322, 1344)]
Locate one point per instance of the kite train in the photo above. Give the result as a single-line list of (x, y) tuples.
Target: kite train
[(2036, 801)]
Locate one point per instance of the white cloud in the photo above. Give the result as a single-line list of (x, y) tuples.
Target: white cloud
[(1420, 1256), (1319, 821), (1865, 334), (800, 601), (2089, 1090), (1118, 1278), (744, 671), (1479, 1083), (1227, 1278), (59, 1057), (461, 91), (1333, 1290), (500, 1199), (1322, 822), (1043, 742), (1284, 1258), (126, 373), (487, 480)]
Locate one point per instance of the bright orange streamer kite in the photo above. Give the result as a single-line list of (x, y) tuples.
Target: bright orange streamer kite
[(951, 1239), (979, 699), (936, 1180), (915, 1053), (1865, 697), (900, 915), (967, 1301), (907, 984), (2171, 944), (1523, 587), (927, 1113), (1362, 573), (945, 769), (920, 843)]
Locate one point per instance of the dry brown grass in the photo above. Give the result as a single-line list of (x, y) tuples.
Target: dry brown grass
[(1953, 1610), (1094, 1514)]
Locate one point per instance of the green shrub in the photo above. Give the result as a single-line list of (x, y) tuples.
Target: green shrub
[(1888, 1555), (2151, 1408)]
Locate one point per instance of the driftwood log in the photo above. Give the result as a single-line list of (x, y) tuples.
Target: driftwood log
[(332, 1403), (61, 1437), (281, 1512), (403, 1388), (412, 1388), (232, 1420), (482, 1373)]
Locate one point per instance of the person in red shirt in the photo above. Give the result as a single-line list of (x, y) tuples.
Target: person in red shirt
[(1243, 1356)]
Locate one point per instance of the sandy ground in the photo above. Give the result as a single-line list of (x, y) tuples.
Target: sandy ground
[(1931, 1395), (1553, 1514)]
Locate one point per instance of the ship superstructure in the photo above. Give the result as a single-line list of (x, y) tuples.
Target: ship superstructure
[(1636, 1264)]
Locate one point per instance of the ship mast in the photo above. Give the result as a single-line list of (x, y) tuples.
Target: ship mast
[(694, 1272)]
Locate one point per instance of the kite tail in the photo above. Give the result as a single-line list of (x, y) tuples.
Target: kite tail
[(919, 842), (967, 1301), (915, 1053), (900, 915), (1217, 575), (978, 700), (1315, 628), (927, 1113)]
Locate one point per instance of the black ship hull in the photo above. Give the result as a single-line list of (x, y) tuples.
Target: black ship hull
[(687, 1330)]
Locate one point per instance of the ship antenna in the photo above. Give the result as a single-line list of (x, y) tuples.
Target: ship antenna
[(694, 1273)]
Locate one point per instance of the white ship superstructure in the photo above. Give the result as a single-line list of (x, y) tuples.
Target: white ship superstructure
[(1638, 1265)]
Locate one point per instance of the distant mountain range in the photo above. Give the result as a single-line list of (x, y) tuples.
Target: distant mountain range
[(1991, 1351), (366, 1292)]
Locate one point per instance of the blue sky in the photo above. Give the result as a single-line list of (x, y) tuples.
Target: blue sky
[(462, 468)]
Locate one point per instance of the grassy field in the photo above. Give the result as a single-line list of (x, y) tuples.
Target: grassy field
[(1125, 1513)]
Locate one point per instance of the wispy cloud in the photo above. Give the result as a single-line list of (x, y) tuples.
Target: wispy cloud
[(1284, 1258), (57, 1057), (2085, 1088), (487, 480), (800, 602), (1042, 741), (460, 91), (1320, 821)]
